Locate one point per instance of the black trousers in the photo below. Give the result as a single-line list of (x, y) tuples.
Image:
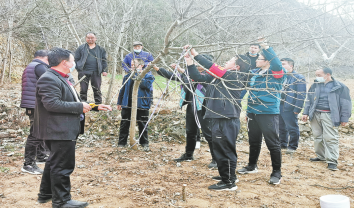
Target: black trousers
[(142, 116), (268, 125), (224, 136), (56, 176), (95, 79), (34, 148), (193, 132)]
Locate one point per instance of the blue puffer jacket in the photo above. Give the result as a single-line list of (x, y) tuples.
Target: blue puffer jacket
[(265, 98), (294, 92), (144, 92), (145, 56)]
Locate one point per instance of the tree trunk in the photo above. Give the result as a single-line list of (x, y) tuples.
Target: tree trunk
[(7, 47), (111, 82), (71, 25), (133, 114)]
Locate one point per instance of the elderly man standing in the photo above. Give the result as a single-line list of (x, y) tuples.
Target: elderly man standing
[(328, 105), (91, 62), (137, 54), (59, 119)]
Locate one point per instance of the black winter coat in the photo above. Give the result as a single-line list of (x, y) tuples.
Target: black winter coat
[(81, 54), (223, 99)]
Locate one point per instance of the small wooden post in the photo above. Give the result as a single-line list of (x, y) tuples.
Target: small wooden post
[(184, 192)]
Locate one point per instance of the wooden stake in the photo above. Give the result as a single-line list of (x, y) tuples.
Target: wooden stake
[(184, 192)]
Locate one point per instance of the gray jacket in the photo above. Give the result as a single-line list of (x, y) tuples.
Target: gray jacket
[(339, 100), (81, 54), (57, 113)]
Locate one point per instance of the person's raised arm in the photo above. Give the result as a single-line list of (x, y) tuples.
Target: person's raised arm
[(195, 74), (275, 64), (168, 74)]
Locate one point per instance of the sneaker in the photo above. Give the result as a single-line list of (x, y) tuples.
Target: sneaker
[(213, 164), (290, 151), (221, 186), (275, 177), (184, 157), (332, 166), (41, 160), (316, 159), (32, 169), (218, 178), (248, 169)]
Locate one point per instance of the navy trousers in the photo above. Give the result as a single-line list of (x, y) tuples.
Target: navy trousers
[(288, 126)]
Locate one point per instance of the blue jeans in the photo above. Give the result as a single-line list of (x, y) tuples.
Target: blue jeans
[(288, 126)]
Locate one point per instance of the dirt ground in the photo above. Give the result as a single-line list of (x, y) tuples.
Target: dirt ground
[(109, 177), (106, 176)]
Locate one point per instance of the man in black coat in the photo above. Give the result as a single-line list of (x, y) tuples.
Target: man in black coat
[(58, 119), (34, 147), (223, 108), (91, 62)]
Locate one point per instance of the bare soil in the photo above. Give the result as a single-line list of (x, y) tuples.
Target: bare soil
[(107, 177)]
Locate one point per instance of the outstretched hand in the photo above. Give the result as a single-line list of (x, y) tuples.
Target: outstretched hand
[(263, 42), (103, 107)]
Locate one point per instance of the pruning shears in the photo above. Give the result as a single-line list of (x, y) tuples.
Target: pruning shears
[(93, 105)]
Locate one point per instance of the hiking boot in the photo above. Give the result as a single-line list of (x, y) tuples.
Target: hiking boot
[(275, 177), (213, 164), (316, 159), (218, 178), (290, 151), (248, 169), (32, 169), (332, 166), (221, 186), (184, 157), (41, 160)]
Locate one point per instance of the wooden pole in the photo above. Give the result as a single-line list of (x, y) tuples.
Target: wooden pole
[(184, 192)]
